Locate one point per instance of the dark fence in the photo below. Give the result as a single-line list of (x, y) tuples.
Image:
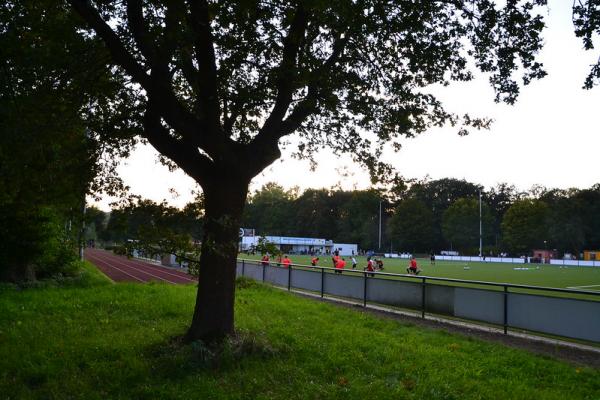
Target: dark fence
[(511, 306)]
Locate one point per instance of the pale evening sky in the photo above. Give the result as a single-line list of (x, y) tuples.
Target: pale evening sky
[(551, 136)]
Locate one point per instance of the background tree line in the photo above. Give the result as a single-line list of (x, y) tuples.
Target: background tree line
[(423, 216)]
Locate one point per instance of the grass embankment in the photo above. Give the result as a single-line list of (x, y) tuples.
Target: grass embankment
[(117, 341)]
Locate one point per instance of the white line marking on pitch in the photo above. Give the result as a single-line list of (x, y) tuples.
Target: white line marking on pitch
[(582, 287)]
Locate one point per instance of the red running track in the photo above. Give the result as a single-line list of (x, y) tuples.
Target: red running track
[(122, 269)]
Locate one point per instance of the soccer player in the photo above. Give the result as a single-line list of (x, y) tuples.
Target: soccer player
[(314, 261), (432, 258), (353, 261), (339, 266), (265, 260), (413, 268), (335, 259), (286, 261), (369, 266)]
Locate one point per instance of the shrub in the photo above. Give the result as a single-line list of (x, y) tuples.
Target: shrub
[(35, 243)]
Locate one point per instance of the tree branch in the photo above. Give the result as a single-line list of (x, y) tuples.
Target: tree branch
[(190, 73), (174, 13), (285, 78), (185, 154), (157, 87), (116, 48), (139, 30), (235, 109), (207, 96), (308, 105)]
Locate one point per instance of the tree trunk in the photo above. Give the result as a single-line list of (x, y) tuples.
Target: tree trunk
[(17, 272), (214, 310)]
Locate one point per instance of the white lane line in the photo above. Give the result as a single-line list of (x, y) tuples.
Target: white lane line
[(141, 264), (144, 272), (118, 269), (154, 267), (148, 265)]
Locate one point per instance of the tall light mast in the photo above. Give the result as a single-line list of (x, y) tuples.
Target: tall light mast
[(480, 228)]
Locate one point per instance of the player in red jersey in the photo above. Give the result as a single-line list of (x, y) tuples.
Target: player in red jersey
[(339, 266), (369, 266), (265, 260), (286, 262), (413, 268)]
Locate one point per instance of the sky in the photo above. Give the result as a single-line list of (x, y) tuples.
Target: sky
[(550, 136)]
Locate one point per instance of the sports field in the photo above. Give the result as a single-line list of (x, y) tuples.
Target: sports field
[(578, 278)]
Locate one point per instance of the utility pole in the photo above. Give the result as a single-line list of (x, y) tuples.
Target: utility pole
[(480, 228)]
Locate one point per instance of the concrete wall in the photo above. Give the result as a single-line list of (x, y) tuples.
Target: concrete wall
[(512, 260)]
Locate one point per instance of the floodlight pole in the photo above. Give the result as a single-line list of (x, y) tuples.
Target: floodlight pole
[(379, 224), (480, 230)]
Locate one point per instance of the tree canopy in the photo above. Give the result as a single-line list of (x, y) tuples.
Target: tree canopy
[(524, 225), (224, 81), (460, 224), (411, 228)]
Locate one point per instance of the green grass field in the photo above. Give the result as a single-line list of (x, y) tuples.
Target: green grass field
[(584, 278), (108, 341)]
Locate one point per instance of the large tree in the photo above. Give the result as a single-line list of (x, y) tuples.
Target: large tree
[(461, 222), (315, 214), (438, 195), (222, 83), (50, 155), (411, 226), (269, 210), (590, 203), (525, 226), (358, 218)]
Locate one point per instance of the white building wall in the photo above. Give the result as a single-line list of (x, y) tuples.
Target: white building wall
[(298, 244), (248, 241), (346, 249)]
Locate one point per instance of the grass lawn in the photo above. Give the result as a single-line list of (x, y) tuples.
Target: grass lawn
[(547, 275), (117, 341)]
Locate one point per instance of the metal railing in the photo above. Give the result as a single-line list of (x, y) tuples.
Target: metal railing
[(455, 290)]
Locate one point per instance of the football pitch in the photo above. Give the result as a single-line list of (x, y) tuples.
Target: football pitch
[(552, 276)]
